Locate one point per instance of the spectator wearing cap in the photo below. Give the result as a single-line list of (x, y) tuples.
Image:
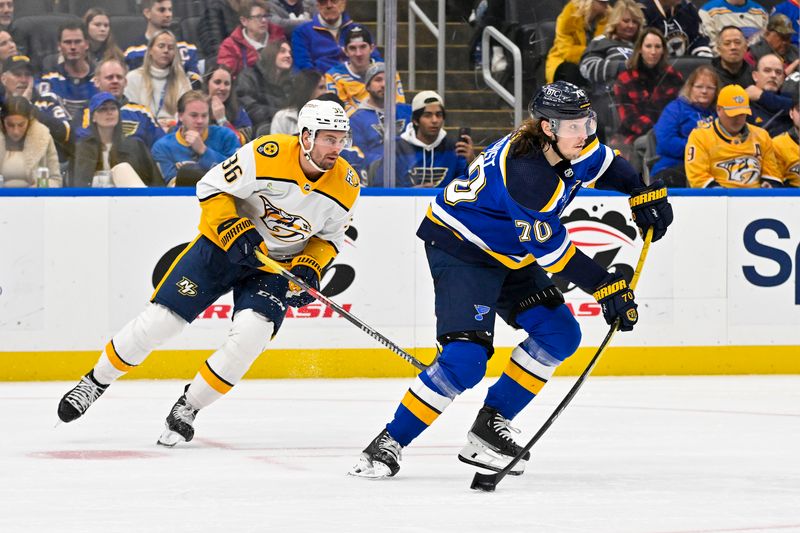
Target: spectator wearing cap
[(71, 80), (790, 8), (136, 120), (190, 151), (747, 15), (17, 80), (787, 148), (426, 155), (241, 49), (107, 148), (729, 152), (318, 44), (770, 109), (346, 79), (367, 122), (777, 39), (25, 145), (579, 22)]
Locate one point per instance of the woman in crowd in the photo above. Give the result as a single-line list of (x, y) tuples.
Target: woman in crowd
[(126, 158), (160, 81), (265, 88), (694, 105), (25, 146), (220, 86), (644, 88), (579, 19), (101, 41), (8, 47), (306, 85)]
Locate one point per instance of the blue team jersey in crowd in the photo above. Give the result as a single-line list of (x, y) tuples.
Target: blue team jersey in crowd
[(366, 125), (172, 152), (74, 93), (514, 217), (134, 57), (136, 120)]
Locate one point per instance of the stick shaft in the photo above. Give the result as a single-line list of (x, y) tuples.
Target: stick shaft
[(278, 269)]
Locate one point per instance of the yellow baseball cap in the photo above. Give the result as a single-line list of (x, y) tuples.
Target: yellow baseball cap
[(734, 101)]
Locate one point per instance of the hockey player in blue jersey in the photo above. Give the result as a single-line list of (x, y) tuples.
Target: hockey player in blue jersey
[(491, 237)]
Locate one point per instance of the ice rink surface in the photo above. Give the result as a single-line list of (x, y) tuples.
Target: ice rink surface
[(644, 455)]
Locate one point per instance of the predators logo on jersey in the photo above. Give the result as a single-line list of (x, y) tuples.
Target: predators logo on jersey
[(742, 170), (284, 226), (787, 152)]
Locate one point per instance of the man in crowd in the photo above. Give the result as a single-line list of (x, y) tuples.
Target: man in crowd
[(159, 17), (777, 39), (787, 148), (242, 47), (137, 121), (346, 79), (728, 152), (730, 65), (426, 156), (71, 80), (195, 147), (770, 109)]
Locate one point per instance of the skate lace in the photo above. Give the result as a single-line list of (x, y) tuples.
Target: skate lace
[(503, 428), (184, 412), (84, 394), (390, 446)]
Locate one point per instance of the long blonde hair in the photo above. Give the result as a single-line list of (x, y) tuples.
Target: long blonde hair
[(177, 81), (618, 11), (584, 10)]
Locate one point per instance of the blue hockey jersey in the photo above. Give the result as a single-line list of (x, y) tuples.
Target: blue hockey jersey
[(366, 125), (509, 208), (134, 58), (74, 93)]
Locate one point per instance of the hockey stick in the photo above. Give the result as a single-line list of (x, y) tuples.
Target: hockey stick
[(488, 482), (278, 269)]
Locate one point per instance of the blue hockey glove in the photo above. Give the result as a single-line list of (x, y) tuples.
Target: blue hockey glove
[(239, 238), (650, 207), (616, 300), (309, 270)]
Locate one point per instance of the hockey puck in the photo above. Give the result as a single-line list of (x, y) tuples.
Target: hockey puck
[(483, 482)]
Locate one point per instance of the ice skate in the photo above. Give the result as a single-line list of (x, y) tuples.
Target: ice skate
[(74, 403), (380, 459), (490, 443), (179, 424)]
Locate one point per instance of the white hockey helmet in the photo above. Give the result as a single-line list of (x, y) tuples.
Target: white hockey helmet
[(319, 115)]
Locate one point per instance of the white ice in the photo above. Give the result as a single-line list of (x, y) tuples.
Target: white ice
[(660, 455)]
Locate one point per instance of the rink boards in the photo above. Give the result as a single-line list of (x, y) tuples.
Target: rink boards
[(720, 294)]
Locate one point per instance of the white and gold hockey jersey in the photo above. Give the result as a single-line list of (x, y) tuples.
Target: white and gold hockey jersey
[(264, 182), (787, 151), (740, 162)]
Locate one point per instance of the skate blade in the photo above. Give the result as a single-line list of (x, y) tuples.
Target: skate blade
[(476, 455), (367, 470), (169, 438)]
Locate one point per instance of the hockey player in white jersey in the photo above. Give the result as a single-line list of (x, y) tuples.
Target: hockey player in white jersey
[(490, 238), (291, 197)]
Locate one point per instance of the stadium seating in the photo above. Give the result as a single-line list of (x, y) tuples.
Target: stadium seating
[(112, 7), (527, 12), (29, 8), (127, 29), (686, 64)]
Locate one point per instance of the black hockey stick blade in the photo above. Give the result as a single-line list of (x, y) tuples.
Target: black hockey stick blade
[(488, 482)]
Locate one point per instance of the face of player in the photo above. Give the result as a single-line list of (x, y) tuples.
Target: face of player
[(731, 46), (195, 116), (163, 51), (16, 127), (430, 122), (17, 81), (769, 75), (111, 78), (627, 27), (283, 59), (652, 50), (572, 134), (358, 52), (8, 47), (731, 124), (220, 84), (99, 28), (327, 147), (377, 87), (73, 45), (106, 116), (703, 90), (331, 10), (160, 15)]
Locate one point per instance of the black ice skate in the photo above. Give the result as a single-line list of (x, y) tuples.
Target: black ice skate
[(179, 422), (74, 403), (380, 459), (490, 444)]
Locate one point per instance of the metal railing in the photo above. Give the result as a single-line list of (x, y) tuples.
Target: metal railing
[(515, 100), (437, 31)]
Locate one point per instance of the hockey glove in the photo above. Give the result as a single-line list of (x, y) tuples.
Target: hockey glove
[(239, 238), (617, 301), (309, 270), (650, 207)]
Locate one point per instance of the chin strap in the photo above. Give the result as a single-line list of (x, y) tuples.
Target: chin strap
[(554, 142), (307, 154)]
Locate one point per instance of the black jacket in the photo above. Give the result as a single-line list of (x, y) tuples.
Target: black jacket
[(124, 150), (261, 98), (219, 20)]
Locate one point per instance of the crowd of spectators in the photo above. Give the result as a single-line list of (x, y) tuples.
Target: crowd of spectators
[(162, 107)]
